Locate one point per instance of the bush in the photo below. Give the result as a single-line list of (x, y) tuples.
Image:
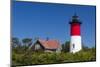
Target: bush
[(31, 57)]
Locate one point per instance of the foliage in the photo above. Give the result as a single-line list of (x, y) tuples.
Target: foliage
[(27, 41), (66, 46), (21, 55), (31, 57), (15, 42)]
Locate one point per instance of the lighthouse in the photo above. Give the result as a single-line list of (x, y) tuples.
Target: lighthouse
[(75, 33)]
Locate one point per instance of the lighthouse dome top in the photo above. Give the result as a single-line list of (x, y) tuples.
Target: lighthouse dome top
[(75, 19)]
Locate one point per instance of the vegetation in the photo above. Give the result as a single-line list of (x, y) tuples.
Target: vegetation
[(22, 56), (65, 46), (27, 41)]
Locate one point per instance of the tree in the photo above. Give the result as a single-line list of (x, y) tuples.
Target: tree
[(15, 42), (27, 42), (85, 48), (66, 46)]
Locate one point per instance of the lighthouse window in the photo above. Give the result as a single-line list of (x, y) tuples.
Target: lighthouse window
[(73, 45)]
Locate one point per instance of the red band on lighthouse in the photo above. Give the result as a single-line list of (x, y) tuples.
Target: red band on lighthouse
[(75, 29)]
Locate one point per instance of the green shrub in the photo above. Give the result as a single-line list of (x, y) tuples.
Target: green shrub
[(30, 57)]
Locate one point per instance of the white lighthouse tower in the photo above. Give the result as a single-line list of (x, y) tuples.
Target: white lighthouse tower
[(75, 32)]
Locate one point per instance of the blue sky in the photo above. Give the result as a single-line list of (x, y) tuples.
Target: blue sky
[(30, 20)]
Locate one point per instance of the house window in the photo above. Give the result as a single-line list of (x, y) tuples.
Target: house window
[(37, 46)]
